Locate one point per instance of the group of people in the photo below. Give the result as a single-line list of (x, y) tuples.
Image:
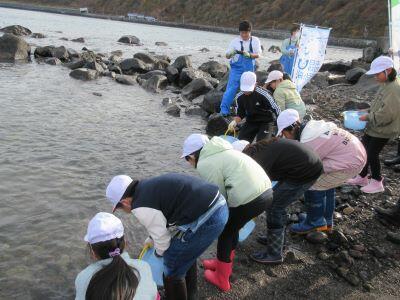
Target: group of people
[(184, 215)]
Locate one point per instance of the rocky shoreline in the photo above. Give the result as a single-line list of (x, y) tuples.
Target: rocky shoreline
[(355, 261)]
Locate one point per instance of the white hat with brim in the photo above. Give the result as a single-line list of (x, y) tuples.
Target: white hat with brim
[(274, 75), (286, 118), (380, 64), (193, 143), (116, 189), (104, 227), (248, 81)]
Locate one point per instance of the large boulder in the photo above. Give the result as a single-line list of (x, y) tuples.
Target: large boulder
[(13, 48), (50, 51), (216, 125), (320, 80), (115, 68), (367, 84), (133, 65), (189, 74), (212, 101), (16, 30), (359, 63), (172, 74), (54, 61), (61, 53), (163, 57), (146, 58), (73, 53), (129, 39), (156, 83), (150, 74), (75, 64), (214, 68), (94, 65), (197, 87), (125, 79), (78, 40), (161, 65), (353, 75), (84, 74), (181, 62), (223, 83), (173, 109), (195, 110), (369, 54), (336, 67)]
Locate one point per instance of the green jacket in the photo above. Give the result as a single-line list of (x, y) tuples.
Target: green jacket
[(287, 96), (239, 178), (384, 114)]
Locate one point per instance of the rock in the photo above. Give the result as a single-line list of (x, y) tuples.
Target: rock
[(332, 246), (189, 74), (156, 83), (343, 259), (182, 62), (359, 63), (78, 40), (13, 48), (388, 191), (84, 74), (115, 59), (378, 252), (355, 253), (354, 105), (274, 49), (146, 58), (358, 247), (161, 44), (336, 79), (337, 216), (166, 101), (393, 237), (161, 65), (353, 279), (204, 50), (97, 94), (291, 258), (216, 125), (116, 69), (38, 35), (320, 80), (348, 210), (64, 39), (197, 87), (125, 79), (195, 111), (353, 75), (16, 30), (336, 67), (214, 81), (363, 275), (323, 256), (117, 53), (50, 51), (129, 39), (342, 272), (316, 237), (368, 287), (163, 57), (223, 83), (369, 54), (367, 83), (172, 74), (173, 110), (293, 218), (75, 64), (61, 53), (150, 74), (73, 53), (337, 237), (131, 66), (261, 77), (54, 61), (93, 65), (214, 68)]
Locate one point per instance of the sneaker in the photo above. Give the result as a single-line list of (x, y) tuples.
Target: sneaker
[(303, 228), (265, 258), (358, 180), (303, 216), (374, 186)]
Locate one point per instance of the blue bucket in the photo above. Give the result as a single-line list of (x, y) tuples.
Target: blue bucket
[(229, 138), (246, 230), (351, 119), (156, 265)]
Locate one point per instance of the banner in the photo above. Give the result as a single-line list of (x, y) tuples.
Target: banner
[(310, 55), (394, 27)]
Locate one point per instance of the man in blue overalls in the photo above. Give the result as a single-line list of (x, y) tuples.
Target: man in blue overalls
[(242, 53), (289, 48)]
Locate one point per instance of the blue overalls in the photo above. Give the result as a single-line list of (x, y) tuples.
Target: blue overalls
[(239, 65), (287, 61)]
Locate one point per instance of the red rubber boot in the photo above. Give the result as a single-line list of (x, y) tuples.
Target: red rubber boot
[(220, 277), (211, 264)]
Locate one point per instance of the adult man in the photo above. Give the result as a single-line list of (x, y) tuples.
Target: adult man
[(242, 53)]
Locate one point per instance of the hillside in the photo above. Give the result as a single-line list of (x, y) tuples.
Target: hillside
[(347, 18)]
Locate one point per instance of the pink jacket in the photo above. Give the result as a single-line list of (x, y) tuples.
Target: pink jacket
[(338, 149)]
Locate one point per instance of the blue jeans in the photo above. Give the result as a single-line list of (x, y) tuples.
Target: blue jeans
[(186, 248), (285, 193), (320, 207)]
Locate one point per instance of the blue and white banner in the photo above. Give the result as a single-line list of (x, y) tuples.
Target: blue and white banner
[(310, 55), (394, 27)]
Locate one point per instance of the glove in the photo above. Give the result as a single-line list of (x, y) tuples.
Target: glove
[(246, 54), (232, 125), (232, 53)]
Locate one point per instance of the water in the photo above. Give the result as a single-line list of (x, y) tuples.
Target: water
[(60, 145)]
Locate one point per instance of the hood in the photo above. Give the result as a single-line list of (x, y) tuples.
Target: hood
[(287, 84), (215, 145), (314, 129)]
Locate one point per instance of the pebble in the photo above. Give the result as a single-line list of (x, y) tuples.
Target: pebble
[(342, 271), (291, 258), (317, 237), (355, 253), (97, 94), (337, 216), (166, 101), (378, 252), (388, 191), (344, 259), (363, 275), (338, 237), (353, 279), (348, 210), (368, 287), (323, 256), (393, 237), (359, 247)]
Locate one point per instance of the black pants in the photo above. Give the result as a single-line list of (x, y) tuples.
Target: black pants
[(238, 217), (251, 130), (373, 146)]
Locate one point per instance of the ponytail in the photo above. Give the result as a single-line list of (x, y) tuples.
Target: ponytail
[(392, 75), (116, 280)]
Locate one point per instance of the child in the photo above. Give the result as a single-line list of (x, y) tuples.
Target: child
[(383, 123), (113, 275), (289, 48)]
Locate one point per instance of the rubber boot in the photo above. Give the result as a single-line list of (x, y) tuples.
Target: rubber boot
[(374, 186), (211, 264), (358, 180), (315, 202), (392, 215), (175, 288), (273, 255), (220, 277), (191, 283)]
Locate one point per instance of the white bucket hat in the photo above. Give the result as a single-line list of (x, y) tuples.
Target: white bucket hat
[(103, 227), (274, 75), (116, 188), (286, 118), (194, 142), (380, 64), (248, 81)]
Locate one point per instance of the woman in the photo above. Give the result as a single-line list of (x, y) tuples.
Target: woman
[(113, 275), (383, 123), (244, 184), (342, 155), (296, 167)]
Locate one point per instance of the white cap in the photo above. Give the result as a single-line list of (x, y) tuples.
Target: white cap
[(380, 64), (274, 75), (116, 188), (103, 227), (287, 118), (248, 81), (194, 142), (240, 145)]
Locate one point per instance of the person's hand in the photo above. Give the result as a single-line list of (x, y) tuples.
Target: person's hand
[(246, 54), (232, 125), (363, 117), (230, 54), (291, 52), (149, 242)]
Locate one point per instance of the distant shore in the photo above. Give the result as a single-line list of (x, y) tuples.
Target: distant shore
[(271, 34)]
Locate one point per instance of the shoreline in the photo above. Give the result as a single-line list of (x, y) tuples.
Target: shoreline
[(271, 34)]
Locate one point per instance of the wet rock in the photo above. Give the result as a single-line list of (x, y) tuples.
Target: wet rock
[(348, 210), (16, 30), (388, 191), (195, 111), (84, 74), (343, 259), (163, 57), (204, 50), (146, 58), (75, 64), (38, 35), (54, 61), (61, 53), (323, 256), (355, 254), (182, 62), (223, 83), (354, 74), (125, 79), (114, 68), (13, 48), (197, 87), (378, 252), (161, 65), (213, 81), (50, 51), (172, 74), (368, 287), (173, 110), (342, 272), (393, 237), (93, 65), (131, 66), (337, 237), (64, 39), (97, 94), (150, 74), (212, 101), (320, 80), (336, 67), (217, 125), (156, 83), (78, 40), (214, 68), (316, 237), (73, 53), (117, 52), (161, 44), (369, 54), (129, 39), (353, 279), (189, 74)]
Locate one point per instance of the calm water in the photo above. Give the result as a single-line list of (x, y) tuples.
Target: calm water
[(60, 145)]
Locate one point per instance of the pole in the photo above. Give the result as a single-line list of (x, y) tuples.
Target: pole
[(390, 22)]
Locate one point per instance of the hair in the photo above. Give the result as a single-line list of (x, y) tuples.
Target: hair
[(296, 128), (392, 75), (245, 26), (196, 155), (252, 149), (294, 29), (116, 280)]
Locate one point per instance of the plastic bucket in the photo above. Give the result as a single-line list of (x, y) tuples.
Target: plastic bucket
[(246, 230), (156, 264), (229, 138), (351, 119)]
